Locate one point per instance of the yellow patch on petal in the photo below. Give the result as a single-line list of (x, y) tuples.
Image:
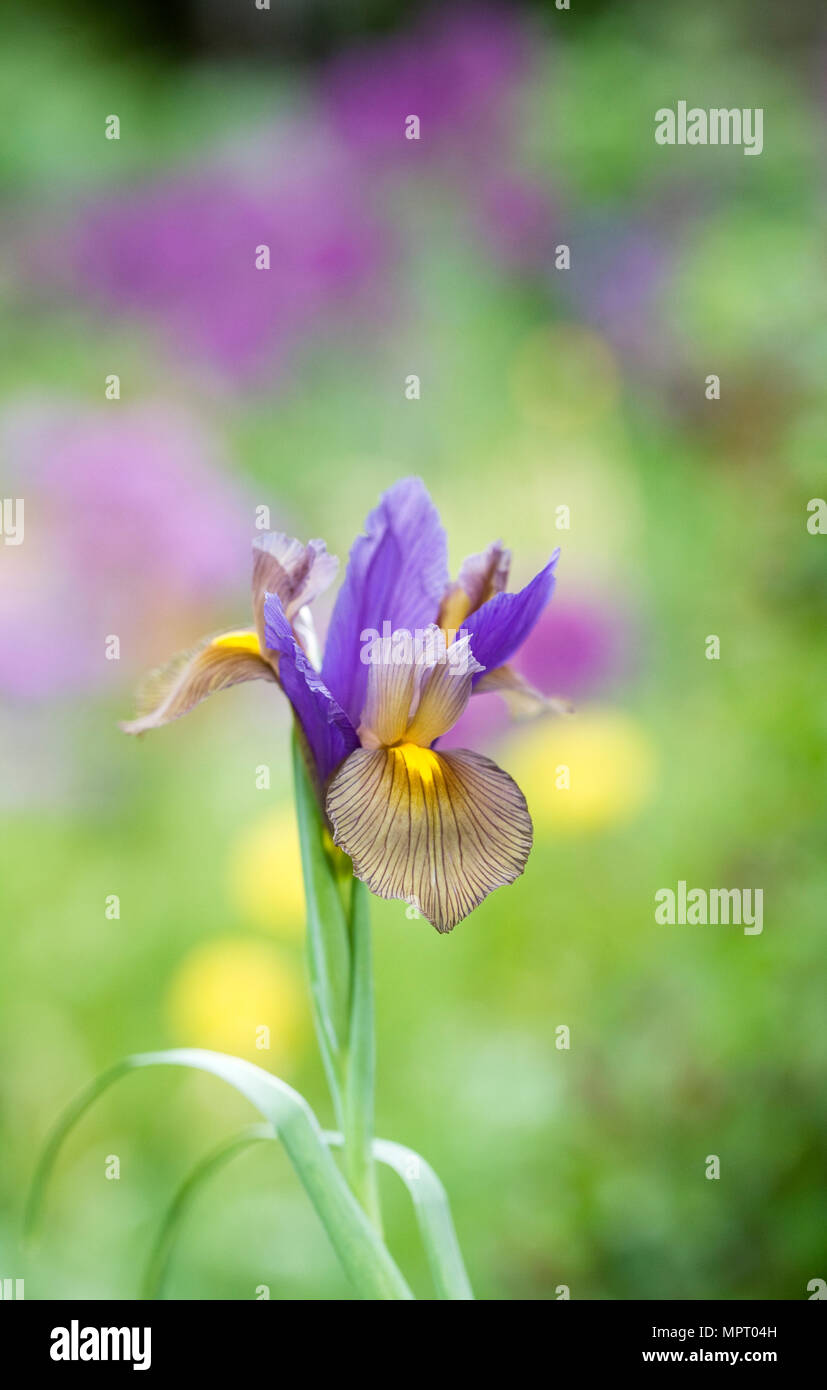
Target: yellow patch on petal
[(481, 577), (455, 609), (421, 761), (439, 830), (240, 641), (215, 664)]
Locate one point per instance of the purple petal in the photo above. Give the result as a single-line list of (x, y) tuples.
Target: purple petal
[(328, 730), (396, 574), (501, 626)]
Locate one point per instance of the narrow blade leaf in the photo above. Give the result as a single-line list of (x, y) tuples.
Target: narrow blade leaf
[(429, 1198), (363, 1256), (433, 1215), (158, 1262)]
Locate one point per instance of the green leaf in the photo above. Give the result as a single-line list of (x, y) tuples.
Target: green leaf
[(158, 1262), (364, 1257), (433, 1213), (328, 949)]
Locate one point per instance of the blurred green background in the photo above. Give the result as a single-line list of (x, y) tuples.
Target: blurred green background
[(541, 388)]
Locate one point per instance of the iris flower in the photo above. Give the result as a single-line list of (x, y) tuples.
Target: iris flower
[(406, 650)]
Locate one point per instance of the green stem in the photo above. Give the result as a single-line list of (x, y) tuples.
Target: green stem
[(341, 983), (360, 1168), (328, 947)]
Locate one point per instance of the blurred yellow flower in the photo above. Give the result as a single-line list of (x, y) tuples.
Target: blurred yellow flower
[(264, 874), (582, 773), (239, 997)]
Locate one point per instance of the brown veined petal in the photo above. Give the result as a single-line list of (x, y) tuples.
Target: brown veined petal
[(215, 664), (295, 572), (480, 578), (523, 700), (440, 830), (444, 692)]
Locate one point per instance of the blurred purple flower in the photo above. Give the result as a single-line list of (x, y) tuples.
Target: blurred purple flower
[(183, 253), (455, 72), (579, 648), (180, 253), (130, 527)]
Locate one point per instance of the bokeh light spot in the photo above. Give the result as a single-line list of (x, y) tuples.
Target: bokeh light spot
[(607, 758), (227, 992), (264, 875)]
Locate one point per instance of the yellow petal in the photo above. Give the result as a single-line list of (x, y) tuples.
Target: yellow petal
[(440, 830), (215, 664)]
